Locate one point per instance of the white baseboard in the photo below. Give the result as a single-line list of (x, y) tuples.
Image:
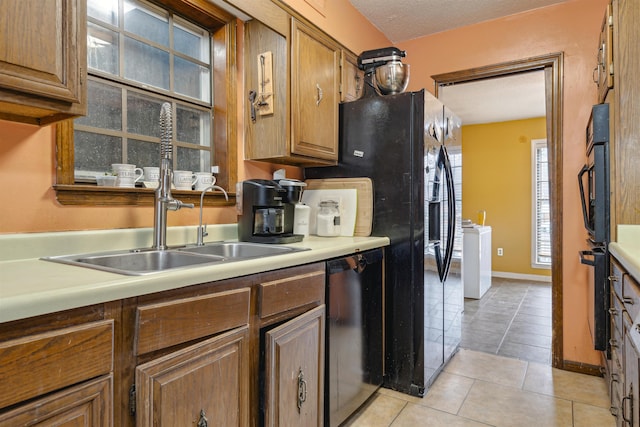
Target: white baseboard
[(518, 276)]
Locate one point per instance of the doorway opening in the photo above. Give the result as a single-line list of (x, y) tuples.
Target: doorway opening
[(552, 65)]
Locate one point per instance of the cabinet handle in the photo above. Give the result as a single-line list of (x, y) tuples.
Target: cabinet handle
[(613, 343), (613, 409), (320, 94), (613, 312), (302, 389), (203, 421), (624, 408)]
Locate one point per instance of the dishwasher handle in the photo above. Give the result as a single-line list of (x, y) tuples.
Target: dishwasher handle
[(357, 262)]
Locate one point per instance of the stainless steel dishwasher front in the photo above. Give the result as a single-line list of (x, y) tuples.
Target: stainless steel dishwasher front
[(354, 347)]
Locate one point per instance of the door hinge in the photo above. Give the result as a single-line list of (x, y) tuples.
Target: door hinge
[(132, 400)]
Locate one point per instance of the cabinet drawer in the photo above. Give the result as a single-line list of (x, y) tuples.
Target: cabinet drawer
[(285, 294), (631, 296), (86, 404), (174, 322), (616, 313), (38, 364), (616, 279)]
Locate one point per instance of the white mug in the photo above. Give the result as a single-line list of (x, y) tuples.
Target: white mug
[(204, 180), (151, 173), (127, 174), (183, 180)]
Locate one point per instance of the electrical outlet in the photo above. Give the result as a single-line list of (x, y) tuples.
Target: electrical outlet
[(500, 252)]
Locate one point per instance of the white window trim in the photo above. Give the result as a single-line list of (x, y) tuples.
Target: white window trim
[(535, 143)]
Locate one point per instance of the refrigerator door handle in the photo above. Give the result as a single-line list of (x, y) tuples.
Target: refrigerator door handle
[(585, 260), (451, 208), (585, 214)]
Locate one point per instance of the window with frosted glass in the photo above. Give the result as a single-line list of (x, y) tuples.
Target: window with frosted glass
[(140, 56)]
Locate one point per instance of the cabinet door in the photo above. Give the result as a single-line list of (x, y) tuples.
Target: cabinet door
[(352, 78), (603, 73), (265, 129), (208, 382), (315, 77), (87, 404), (42, 58), (294, 377), (630, 401)]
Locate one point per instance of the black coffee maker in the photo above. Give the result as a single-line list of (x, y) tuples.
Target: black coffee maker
[(263, 214)]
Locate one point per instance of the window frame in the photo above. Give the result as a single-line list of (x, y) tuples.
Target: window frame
[(223, 27), (535, 263)]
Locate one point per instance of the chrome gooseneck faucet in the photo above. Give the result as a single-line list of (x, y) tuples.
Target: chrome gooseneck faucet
[(202, 230), (163, 199)]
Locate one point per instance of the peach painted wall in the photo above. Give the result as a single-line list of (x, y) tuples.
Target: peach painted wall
[(27, 158), (572, 28)]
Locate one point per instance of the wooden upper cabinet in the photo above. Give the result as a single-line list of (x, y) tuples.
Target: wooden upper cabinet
[(352, 78), (42, 60), (603, 72), (266, 115), (292, 114), (315, 85)]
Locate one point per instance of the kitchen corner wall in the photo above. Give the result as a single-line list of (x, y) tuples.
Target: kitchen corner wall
[(496, 177), (571, 27)]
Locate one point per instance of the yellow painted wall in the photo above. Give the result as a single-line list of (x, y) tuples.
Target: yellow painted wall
[(496, 177)]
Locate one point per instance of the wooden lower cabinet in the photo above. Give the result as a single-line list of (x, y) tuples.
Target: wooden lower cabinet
[(204, 384), (630, 405), (191, 356), (57, 370), (623, 371), (87, 404), (294, 371)]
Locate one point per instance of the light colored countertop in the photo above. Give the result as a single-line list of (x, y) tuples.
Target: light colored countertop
[(30, 286), (627, 248)]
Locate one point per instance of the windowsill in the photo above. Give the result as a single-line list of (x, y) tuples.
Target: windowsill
[(92, 195)]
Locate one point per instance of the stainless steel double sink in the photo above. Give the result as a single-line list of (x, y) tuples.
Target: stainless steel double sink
[(148, 261)]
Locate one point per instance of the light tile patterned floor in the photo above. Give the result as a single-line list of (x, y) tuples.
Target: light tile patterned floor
[(512, 319), (481, 389)]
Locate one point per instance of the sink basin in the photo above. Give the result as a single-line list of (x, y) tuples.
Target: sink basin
[(240, 250), (137, 263), (153, 261)]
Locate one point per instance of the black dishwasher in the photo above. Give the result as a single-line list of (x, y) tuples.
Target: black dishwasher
[(354, 346)]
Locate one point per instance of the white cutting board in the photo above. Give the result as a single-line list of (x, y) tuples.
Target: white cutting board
[(348, 202)]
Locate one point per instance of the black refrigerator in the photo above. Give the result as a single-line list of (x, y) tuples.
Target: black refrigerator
[(409, 144)]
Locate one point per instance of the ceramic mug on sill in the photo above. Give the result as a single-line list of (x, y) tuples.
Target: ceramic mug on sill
[(151, 173), (204, 180), (127, 174), (183, 180)]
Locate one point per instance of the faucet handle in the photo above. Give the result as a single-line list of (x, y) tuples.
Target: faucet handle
[(175, 205)]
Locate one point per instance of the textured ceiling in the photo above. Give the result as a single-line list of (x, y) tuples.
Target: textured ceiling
[(402, 20), (501, 99), (494, 100)]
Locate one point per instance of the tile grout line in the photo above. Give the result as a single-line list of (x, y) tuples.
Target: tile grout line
[(511, 322)]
